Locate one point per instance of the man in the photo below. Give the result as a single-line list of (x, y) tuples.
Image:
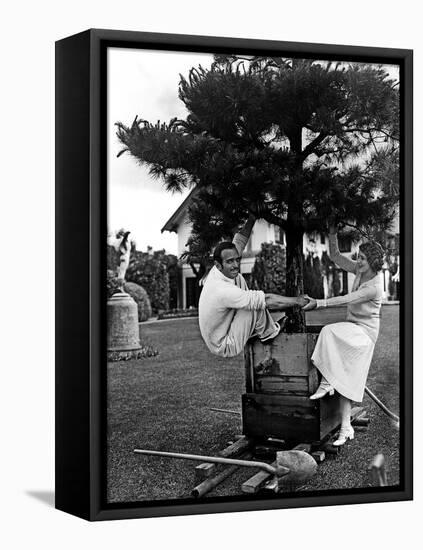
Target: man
[(229, 313)]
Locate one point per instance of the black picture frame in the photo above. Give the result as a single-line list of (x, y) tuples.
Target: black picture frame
[(81, 226)]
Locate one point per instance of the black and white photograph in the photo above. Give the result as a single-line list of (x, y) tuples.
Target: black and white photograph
[(253, 276), (211, 275)]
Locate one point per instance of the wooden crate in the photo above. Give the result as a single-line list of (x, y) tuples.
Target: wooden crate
[(279, 381)]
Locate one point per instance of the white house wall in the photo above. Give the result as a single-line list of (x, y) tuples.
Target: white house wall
[(184, 231)]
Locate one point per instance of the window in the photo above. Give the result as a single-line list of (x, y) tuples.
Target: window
[(279, 235), (344, 243)]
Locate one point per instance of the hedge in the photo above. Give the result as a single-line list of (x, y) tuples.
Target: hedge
[(150, 270), (140, 296)]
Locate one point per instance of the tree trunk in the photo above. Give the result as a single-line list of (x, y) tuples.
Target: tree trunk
[(294, 235), (294, 275)]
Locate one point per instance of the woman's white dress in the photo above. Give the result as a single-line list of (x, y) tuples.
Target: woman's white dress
[(344, 351)]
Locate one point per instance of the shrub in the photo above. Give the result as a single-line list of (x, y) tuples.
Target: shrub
[(149, 270), (172, 271), (141, 298), (269, 270), (113, 283)]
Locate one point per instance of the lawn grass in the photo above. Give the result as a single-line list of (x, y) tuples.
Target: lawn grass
[(163, 403)]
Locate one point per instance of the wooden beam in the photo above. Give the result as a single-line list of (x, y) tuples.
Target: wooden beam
[(319, 456), (204, 471), (329, 449), (210, 483), (306, 447), (255, 482), (242, 444), (356, 412), (361, 421)]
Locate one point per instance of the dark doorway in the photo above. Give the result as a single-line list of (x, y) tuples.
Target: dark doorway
[(193, 290)]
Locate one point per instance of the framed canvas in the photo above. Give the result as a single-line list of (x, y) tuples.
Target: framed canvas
[(167, 145)]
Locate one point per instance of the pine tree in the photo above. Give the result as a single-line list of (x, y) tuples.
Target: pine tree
[(301, 143)]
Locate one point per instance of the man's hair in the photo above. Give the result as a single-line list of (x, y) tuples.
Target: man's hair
[(225, 245)]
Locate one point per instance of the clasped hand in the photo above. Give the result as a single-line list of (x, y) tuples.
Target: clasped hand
[(310, 304), (302, 301)]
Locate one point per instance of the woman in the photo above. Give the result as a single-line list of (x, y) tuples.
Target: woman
[(344, 351)]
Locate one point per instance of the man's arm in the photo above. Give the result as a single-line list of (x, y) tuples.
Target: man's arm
[(276, 302)]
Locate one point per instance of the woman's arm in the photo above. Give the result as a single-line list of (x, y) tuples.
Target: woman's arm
[(336, 256), (363, 294)]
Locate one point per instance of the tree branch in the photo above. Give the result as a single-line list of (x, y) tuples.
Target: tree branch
[(313, 144), (369, 131), (275, 220)]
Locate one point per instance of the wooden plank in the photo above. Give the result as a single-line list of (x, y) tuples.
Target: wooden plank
[(203, 471), (282, 384), (241, 445), (319, 456), (306, 447), (210, 483), (281, 405), (292, 344), (290, 350), (314, 329), (254, 483)]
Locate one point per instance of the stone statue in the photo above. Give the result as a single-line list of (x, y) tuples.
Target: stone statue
[(123, 338), (118, 256)]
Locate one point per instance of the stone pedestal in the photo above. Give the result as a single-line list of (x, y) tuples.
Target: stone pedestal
[(122, 327)]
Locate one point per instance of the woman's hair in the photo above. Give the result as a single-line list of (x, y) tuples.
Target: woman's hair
[(374, 254)]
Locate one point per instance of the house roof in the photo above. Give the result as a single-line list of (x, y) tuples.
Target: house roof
[(176, 218)]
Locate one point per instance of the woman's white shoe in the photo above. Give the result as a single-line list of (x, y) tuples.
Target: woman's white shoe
[(344, 435), (323, 389)]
